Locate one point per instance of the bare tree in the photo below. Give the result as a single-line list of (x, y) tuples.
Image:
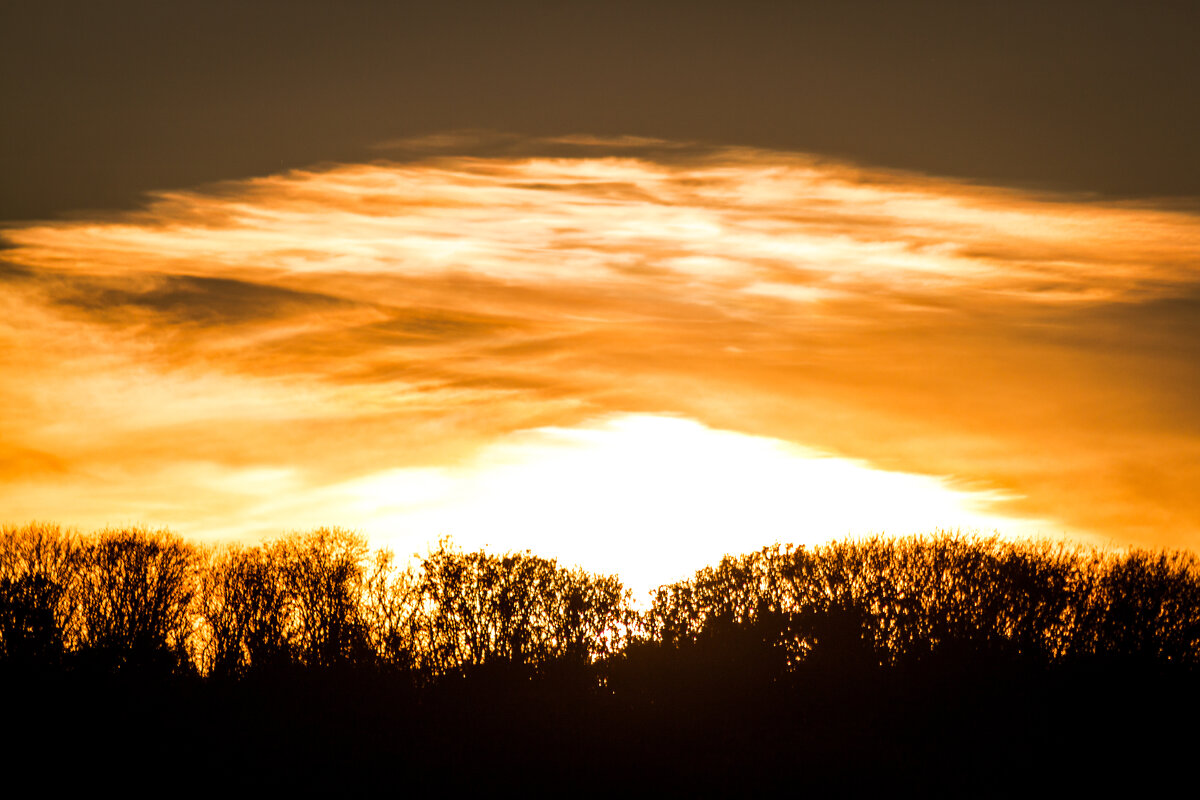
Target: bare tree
[(134, 594), (323, 574), (517, 609), (38, 565), (245, 605), (391, 609)]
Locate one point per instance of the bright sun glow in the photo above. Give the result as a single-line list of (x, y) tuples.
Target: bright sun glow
[(652, 498)]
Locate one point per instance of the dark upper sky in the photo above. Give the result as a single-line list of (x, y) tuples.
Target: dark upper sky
[(102, 101)]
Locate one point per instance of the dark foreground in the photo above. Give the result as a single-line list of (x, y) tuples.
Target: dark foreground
[(947, 730), (945, 665)]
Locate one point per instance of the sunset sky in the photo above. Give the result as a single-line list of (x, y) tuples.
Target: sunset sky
[(629, 288)]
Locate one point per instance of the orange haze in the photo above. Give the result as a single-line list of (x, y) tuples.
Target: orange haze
[(638, 356)]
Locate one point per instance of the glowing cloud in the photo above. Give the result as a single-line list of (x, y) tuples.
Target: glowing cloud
[(421, 345)]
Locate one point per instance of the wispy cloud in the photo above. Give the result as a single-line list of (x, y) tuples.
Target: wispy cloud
[(343, 322)]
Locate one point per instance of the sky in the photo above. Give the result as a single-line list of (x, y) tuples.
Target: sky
[(631, 288)]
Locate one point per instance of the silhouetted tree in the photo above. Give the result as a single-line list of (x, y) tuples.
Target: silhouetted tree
[(134, 595), (321, 599), (245, 606), (517, 609), (391, 611), (903, 600), (323, 574), (37, 567)]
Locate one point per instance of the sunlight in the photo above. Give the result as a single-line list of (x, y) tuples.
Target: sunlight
[(653, 498)]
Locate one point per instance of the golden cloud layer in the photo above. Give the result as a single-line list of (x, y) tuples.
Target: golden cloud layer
[(307, 330)]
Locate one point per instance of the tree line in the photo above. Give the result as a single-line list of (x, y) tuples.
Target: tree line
[(970, 664), (140, 599), (897, 601)]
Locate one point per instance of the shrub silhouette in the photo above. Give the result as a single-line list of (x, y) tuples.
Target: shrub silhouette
[(1145, 606)]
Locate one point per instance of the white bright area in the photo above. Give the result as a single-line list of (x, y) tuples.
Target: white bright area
[(651, 498)]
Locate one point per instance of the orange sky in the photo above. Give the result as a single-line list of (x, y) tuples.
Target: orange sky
[(637, 358)]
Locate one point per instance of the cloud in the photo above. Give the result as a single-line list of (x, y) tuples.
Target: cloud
[(189, 300), (345, 321)]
